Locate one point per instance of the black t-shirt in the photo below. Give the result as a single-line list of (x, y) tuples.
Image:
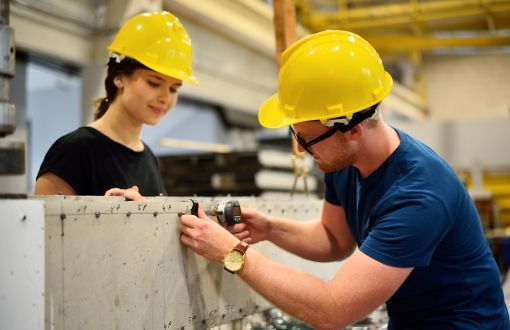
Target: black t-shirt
[(92, 163)]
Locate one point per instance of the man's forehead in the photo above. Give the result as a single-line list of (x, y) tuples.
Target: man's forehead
[(309, 127), (308, 124)]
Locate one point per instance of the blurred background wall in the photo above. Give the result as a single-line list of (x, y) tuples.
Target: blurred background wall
[(450, 61)]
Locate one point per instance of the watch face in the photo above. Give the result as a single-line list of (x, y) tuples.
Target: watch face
[(234, 261)]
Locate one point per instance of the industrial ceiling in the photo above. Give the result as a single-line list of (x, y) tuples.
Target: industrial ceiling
[(410, 26)]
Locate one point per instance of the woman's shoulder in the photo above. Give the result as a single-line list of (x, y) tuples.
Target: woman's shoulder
[(82, 140), (81, 136)]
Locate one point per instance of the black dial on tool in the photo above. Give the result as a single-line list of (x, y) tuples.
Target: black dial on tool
[(229, 212)]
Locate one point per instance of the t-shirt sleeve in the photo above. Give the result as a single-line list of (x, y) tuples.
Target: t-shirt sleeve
[(408, 231), (68, 158)]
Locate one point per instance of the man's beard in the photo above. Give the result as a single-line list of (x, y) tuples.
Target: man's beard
[(344, 156)]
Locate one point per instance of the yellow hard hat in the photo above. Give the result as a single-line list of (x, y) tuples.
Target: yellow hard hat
[(159, 41), (326, 75)]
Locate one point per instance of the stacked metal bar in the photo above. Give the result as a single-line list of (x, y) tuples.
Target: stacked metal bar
[(244, 173)]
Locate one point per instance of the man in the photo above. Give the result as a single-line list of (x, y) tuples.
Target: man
[(420, 245)]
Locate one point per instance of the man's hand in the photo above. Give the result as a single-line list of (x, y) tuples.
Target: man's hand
[(130, 194), (254, 226), (205, 236)]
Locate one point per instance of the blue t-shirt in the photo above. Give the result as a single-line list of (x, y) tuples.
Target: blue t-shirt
[(413, 211)]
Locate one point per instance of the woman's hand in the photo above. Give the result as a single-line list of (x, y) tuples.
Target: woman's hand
[(130, 194)]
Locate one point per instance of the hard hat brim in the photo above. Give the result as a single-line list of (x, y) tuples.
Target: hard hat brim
[(271, 114), (193, 80)]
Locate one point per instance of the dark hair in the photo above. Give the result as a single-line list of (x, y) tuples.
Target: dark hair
[(126, 66)]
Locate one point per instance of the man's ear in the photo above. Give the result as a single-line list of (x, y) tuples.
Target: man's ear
[(357, 132)]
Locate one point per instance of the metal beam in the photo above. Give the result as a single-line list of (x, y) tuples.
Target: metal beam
[(388, 44), (403, 14)]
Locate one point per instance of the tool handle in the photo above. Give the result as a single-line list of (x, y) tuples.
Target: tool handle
[(194, 208)]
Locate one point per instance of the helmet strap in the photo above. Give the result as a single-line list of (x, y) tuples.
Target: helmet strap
[(116, 57), (344, 126)]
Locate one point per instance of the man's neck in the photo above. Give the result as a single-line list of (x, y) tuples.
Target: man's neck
[(378, 145)]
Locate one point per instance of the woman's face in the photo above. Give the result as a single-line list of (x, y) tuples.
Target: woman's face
[(146, 96)]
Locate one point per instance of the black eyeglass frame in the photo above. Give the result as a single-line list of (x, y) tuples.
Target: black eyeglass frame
[(355, 120), (318, 139)]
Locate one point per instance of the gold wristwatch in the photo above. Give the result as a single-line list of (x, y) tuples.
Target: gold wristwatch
[(233, 260)]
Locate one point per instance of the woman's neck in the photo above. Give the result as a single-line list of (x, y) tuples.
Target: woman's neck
[(119, 127)]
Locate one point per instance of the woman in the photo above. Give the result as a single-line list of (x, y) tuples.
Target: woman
[(149, 59)]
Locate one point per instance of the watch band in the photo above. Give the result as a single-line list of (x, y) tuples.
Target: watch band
[(241, 247)]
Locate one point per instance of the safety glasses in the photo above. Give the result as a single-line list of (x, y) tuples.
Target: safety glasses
[(341, 124), (307, 145)]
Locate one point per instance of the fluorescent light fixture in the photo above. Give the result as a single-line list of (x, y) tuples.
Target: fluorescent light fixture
[(195, 145)]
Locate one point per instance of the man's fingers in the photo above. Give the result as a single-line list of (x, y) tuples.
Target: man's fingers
[(237, 228), (201, 212), (242, 235), (186, 240), (189, 220)]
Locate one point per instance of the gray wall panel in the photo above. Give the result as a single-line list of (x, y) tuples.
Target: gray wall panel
[(112, 264)]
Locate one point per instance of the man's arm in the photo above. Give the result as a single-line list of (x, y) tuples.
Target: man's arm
[(360, 286), (326, 239)]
